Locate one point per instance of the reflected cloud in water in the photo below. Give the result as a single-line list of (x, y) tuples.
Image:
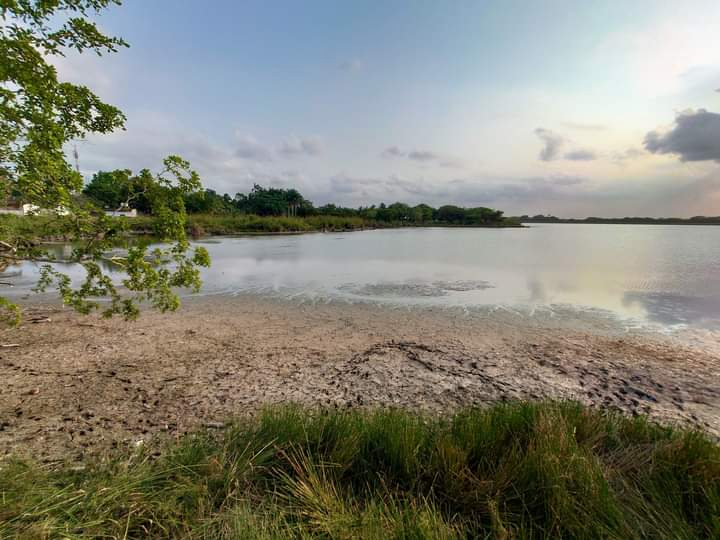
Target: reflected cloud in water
[(668, 275), (537, 291), (673, 309)]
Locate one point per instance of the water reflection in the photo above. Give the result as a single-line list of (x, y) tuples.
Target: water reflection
[(667, 275), (537, 291), (412, 289), (677, 309)]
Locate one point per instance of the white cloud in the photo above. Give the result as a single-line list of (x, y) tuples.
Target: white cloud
[(101, 74)]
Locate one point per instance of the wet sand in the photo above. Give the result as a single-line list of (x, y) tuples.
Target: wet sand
[(75, 385)]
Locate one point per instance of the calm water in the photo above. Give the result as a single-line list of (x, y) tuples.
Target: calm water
[(664, 275)]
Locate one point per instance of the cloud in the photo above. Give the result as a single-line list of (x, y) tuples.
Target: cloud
[(104, 75), (513, 194), (155, 136), (552, 143), (250, 149), (567, 180), (352, 65), (301, 146), (580, 155), (562, 195), (694, 137), (452, 163), (628, 154), (422, 155), (392, 152)]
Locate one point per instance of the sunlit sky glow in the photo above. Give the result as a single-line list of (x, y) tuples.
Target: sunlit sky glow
[(607, 108)]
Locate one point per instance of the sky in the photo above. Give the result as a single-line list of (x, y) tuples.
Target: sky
[(596, 108)]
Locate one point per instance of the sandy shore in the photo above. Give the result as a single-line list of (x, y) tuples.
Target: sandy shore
[(73, 385)]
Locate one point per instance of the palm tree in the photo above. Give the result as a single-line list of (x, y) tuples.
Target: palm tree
[(294, 200)]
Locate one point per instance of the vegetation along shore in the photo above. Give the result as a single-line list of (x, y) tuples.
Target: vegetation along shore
[(549, 382), (511, 471)]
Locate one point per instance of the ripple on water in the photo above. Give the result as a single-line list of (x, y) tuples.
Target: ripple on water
[(410, 289)]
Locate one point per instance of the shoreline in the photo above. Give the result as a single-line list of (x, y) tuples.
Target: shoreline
[(78, 385)]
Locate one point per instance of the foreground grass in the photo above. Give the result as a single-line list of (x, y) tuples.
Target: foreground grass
[(511, 471)]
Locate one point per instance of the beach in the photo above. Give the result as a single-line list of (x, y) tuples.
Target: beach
[(75, 386)]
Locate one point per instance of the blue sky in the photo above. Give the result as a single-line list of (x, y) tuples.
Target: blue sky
[(572, 108)]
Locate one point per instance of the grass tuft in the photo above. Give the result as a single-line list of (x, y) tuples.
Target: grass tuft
[(515, 470)]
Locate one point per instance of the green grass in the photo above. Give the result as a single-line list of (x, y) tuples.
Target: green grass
[(239, 223), (31, 227), (511, 471), (39, 228)]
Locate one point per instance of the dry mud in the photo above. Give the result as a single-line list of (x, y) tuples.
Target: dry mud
[(75, 385)]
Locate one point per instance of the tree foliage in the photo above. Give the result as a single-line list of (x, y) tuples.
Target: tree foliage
[(272, 202), (290, 202), (39, 115)]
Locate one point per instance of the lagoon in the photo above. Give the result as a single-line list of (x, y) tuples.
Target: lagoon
[(667, 276)]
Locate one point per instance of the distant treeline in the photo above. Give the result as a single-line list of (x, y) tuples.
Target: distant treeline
[(289, 203), (696, 220)]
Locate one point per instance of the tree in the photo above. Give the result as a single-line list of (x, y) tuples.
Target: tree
[(451, 213), (294, 200), (209, 202), (106, 188), (272, 202), (39, 115), (422, 213)]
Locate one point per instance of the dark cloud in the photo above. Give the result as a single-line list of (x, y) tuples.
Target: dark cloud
[(391, 152), (694, 137), (552, 143), (580, 155)]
